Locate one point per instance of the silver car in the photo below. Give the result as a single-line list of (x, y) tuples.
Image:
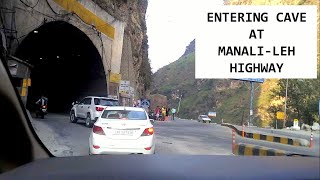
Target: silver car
[(90, 108), (204, 119)]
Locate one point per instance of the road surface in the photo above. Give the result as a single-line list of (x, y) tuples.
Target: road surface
[(172, 137), (189, 137)]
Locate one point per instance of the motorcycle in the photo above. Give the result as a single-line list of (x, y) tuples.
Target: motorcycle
[(41, 111), (152, 115)]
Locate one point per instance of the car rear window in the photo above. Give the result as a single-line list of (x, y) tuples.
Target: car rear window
[(106, 102), (124, 114)]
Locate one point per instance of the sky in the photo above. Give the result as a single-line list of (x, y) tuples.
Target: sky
[(169, 29)]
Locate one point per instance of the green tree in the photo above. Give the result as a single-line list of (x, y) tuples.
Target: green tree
[(302, 100)]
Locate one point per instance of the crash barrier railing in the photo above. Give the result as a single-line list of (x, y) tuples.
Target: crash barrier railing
[(276, 139), (233, 140), (311, 140), (252, 150)]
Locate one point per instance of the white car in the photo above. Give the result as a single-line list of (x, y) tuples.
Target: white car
[(122, 130), (204, 119), (90, 108)]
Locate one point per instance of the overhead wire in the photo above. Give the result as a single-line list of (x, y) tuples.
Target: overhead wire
[(52, 8), (47, 15), (98, 34), (26, 4)]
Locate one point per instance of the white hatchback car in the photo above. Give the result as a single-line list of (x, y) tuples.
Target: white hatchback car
[(122, 130), (204, 119), (90, 108)]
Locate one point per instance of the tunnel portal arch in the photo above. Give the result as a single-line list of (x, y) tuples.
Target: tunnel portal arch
[(66, 65)]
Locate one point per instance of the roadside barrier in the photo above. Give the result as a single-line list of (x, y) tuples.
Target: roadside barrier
[(270, 138), (252, 150), (242, 130), (311, 140), (233, 140)]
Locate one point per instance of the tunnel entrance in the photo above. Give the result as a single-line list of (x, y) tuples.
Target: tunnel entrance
[(67, 65)]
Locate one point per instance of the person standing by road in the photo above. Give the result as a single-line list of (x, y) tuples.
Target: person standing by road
[(163, 113), (173, 111), (167, 113), (157, 112)]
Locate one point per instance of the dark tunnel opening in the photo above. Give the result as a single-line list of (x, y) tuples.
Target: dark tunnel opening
[(67, 66)]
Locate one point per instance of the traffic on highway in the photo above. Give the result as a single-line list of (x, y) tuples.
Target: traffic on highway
[(145, 89), (101, 125)]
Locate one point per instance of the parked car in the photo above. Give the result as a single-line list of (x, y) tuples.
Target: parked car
[(122, 130), (204, 119), (90, 108)]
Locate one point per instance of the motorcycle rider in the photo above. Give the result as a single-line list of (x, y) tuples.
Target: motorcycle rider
[(43, 101)]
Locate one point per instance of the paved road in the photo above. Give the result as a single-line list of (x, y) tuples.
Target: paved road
[(192, 138), (61, 137), (173, 137)]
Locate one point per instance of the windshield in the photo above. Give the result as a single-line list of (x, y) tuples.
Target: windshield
[(204, 116), (140, 56), (106, 102), (123, 114)]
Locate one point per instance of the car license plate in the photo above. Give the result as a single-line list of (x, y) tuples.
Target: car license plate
[(123, 132), (44, 110)]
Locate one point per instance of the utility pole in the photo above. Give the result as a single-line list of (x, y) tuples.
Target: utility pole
[(251, 102), (285, 106), (108, 82), (179, 103)]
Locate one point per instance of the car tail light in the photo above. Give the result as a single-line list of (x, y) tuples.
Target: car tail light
[(148, 132), (98, 130), (96, 147), (99, 108), (147, 148)]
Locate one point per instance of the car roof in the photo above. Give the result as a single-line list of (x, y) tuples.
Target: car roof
[(100, 97), (124, 108)]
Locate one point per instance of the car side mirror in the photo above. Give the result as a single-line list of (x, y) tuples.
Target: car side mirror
[(152, 121)]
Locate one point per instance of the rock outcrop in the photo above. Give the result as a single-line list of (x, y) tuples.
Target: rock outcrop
[(135, 66)]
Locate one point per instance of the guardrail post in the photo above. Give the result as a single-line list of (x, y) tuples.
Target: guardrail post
[(233, 140), (311, 140), (242, 130)]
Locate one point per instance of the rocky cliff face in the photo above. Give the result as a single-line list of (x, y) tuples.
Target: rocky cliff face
[(190, 48), (135, 65)]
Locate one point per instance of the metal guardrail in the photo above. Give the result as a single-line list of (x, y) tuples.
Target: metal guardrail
[(270, 138)]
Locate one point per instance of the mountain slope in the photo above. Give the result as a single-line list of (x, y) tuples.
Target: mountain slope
[(229, 98)]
